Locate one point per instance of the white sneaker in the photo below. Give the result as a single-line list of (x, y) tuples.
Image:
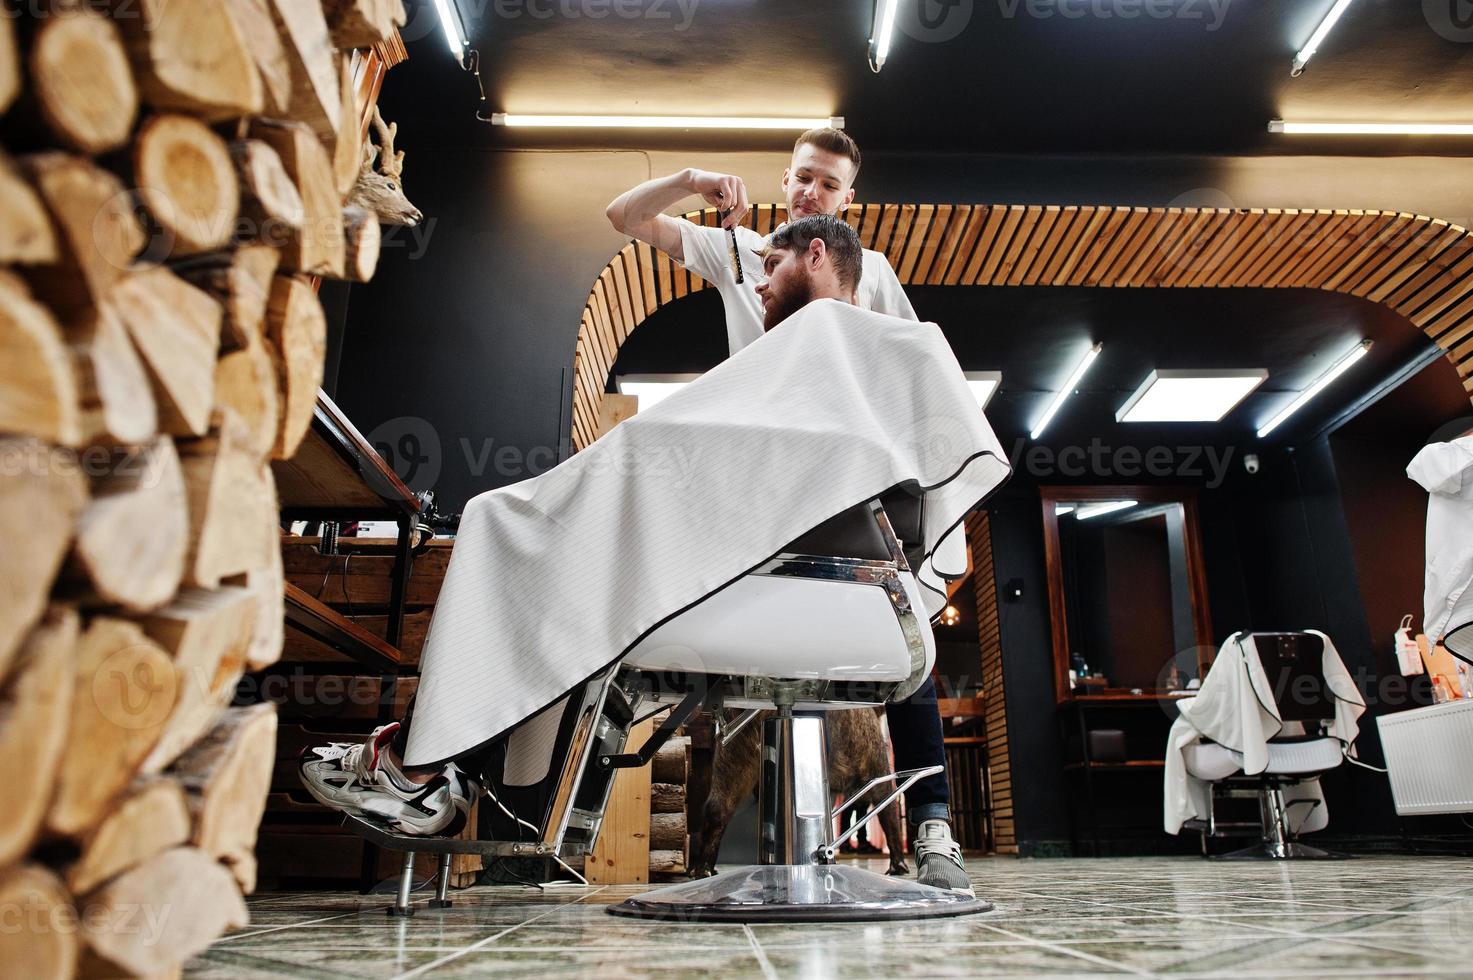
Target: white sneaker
[(360, 778), (939, 859)]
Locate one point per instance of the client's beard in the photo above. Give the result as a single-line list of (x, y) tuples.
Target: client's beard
[(785, 304)]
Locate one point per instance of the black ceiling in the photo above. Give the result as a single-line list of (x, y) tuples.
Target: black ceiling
[(1020, 76), (1035, 336)]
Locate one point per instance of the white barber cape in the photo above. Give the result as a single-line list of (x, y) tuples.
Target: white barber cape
[(1235, 708), (554, 578), (707, 254), (1445, 471)]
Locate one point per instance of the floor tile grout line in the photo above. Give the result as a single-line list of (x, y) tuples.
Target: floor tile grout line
[(1056, 948), (762, 960), (291, 925), (425, 968)]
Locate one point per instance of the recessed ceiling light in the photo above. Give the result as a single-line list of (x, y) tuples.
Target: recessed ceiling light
[(1318, 37), (651, 389), (1368, 128), (665, 122), (1063, 393), (1102, 508), (1189, 396), (1336, 369), (984, 385)]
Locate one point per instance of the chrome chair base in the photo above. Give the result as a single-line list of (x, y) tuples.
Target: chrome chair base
[(798, 893), (1268, 850)]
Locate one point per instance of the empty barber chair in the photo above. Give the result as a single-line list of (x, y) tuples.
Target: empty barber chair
[(1292, 664), (833, 622)]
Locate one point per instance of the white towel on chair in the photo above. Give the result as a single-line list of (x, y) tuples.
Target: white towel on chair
[(552, 579), (1235, 708)]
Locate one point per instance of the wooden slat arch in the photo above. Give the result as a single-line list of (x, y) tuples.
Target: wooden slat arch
[(1420, 267)]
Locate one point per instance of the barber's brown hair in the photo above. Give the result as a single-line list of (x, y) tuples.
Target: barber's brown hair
[(835, 141), (841, 241)]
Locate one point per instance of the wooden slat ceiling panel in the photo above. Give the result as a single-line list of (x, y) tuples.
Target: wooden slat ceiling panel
[(1422, 268)]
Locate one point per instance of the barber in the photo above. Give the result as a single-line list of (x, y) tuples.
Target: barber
[(819, 179)]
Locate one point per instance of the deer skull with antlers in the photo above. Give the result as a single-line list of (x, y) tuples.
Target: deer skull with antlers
[(381, 191)]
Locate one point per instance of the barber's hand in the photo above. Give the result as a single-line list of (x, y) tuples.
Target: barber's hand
[(722, 191)]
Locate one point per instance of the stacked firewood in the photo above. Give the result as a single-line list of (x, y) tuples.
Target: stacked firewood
[(669, 836), (172, 173)]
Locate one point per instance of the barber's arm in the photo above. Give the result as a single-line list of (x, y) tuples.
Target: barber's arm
[(639, 212)]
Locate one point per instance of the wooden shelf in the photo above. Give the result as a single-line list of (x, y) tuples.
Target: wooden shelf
[(338, 474), (1157, 697), (337, 631), (1128, 764)]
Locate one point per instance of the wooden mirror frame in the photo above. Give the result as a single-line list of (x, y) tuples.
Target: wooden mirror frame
[(1196, 574)]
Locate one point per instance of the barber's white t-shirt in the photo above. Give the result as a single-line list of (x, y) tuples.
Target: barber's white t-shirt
[(708, 256)]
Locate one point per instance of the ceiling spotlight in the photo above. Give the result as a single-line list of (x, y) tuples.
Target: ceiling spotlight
[(665, 122), (1189, 396), (1074, 378), (1336, 369), (1318, 37), (1368, 128), (950, 616), (881, 33)]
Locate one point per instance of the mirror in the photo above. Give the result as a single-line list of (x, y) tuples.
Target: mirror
[(1127, 595)]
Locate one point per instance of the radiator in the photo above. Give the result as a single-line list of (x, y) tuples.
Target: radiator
[(1429, 758)]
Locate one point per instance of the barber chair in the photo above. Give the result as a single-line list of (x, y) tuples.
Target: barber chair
[(1292, 663), (833, 622)]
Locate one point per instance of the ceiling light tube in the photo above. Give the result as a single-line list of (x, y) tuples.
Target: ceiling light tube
[(1103, 508), (451, 22), (1369, 128), (665, 122), (1337, 369), (882, 33), (1318, 37), (1053, 407)]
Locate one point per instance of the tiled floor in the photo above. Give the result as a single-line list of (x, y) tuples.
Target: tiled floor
[(1177, 917)]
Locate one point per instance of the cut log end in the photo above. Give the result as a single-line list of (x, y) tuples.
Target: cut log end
[(42, 496), (82, 82), (46, 943), (363, 235), (187, 180), (133, 537)]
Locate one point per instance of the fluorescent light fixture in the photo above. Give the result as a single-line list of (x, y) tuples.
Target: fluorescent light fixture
[(651, 389), (1053, 408), (1369, 128), (665, 122), (1102, 508), (451, 22), (984, 385), (1337, 369), (882, 33), (1062, 509), (1318, 37), (1189, 396)]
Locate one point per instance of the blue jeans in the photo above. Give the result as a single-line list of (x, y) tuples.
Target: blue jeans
[(915, 735)]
